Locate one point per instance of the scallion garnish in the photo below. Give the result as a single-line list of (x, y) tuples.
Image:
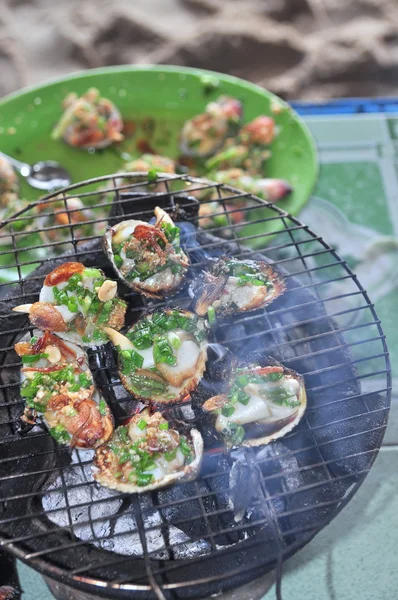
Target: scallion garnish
[(28, 359), (102, 407), (211, 315)]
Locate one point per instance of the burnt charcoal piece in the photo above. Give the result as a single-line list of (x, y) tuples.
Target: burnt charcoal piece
[(196, 519)]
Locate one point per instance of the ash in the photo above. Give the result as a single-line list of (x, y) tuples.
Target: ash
[(248, 470), (92, 513)]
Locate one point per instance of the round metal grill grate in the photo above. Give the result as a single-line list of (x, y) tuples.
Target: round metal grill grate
[(184, 542)]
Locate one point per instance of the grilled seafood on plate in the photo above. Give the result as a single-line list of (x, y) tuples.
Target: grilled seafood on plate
[(57, 383), (9, 185), (248, 150), (271, 190), (148, 258), (162, 358), (262, 404), (76, 302), (151, 162), (147, 454), (89, 121), (204, 134), (233, 286), (57, 218)]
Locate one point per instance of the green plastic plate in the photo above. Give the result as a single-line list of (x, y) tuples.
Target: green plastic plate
[(154, 101)]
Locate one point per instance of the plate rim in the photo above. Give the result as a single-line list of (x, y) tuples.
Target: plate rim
[(155, 68)]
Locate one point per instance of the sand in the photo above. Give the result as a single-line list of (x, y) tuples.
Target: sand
[(299, 49)]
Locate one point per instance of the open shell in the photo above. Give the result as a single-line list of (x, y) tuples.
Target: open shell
[(220, 289), (145, 238), (204, 134), (79, 418), (79, 325), (175, 383), (259, 421), (106, 464), (89, 121)]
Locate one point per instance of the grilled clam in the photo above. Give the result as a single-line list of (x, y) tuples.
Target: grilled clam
[(204, 134), (262, 404), (76, 302), (148, 258), (163, 356), (57, 383), (233, 286), (147, 454), (89, 121)]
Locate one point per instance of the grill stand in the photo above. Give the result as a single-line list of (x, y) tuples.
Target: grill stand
[(254, 590)]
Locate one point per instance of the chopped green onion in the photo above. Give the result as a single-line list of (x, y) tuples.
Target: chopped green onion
[(141, 424), (28, 391), (85, 381), (102, 407), (144, 479), (159, 319), (243, 398), (152, 175), (185, 447), (174, 340), (227, 410), (98, 335), (164, 426), (91, 273), (274, 376), (123, 434), (211, 315), (130, 361), (242, 380), (238, 434), (72, 305), (74, 281), (28, 359), (60, 434), (33, 339), (105, 313), (169, 456), (118, 260)]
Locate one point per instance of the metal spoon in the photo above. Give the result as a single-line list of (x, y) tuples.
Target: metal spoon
[(44, 175)]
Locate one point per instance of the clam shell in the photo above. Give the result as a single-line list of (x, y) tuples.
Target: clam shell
[(161, 292), (260, 433), (187, 473), (81, 360), (208, 288), (46, 316)]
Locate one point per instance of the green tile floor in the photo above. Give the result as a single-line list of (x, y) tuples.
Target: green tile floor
[(355, 208)]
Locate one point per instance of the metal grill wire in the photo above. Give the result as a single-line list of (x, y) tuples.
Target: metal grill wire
[(345, 407)]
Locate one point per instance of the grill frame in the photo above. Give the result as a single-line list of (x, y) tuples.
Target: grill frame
[(291, 226)]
